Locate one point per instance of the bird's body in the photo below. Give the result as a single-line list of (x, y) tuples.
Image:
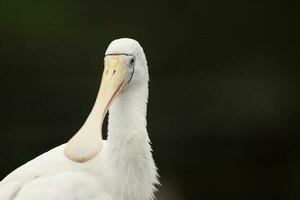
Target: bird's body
[(52, 176), (123, 170)]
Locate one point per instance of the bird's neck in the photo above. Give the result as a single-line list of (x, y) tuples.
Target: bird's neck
[(129, 149), (128, 112)]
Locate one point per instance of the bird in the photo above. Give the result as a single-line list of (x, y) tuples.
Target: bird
[(90, 168)]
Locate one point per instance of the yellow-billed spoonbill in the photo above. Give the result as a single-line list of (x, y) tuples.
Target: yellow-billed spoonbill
[(87, 168)]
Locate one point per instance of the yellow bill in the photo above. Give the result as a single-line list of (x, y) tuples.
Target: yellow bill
[(87, 142)]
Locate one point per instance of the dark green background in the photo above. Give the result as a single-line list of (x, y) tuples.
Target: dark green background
[(224, 90)]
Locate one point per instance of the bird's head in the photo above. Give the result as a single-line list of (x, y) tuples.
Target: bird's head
[(125, 67), (130, 55)]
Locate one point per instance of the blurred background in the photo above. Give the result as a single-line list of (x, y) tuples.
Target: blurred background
[(224, 100)]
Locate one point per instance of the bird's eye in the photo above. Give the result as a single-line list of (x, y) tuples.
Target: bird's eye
[(132, 61)]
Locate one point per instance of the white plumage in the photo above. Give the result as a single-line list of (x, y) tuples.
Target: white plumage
[(123, 170)]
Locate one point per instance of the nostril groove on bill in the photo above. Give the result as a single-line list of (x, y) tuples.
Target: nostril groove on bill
[(114, 72)]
